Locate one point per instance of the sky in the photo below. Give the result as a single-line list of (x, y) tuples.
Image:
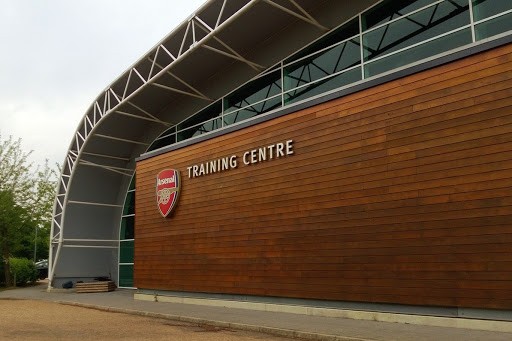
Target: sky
[(57, 56)]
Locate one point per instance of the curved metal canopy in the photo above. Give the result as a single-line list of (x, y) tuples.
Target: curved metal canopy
[(219, 47)]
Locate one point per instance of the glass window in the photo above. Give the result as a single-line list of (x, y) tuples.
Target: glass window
[(200, 129), (390, 9), (127, 227), (323, 64), (253, 110), (494, 26), (126, 276), (126, 252), (428, 23), (169, 131), (206, 114), (322, 86), (129, 203), (163, 142), (422, 51), (253, 92), (487, 8), (132, 183)]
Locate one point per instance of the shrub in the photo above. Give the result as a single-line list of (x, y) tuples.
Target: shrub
[(24, 270)]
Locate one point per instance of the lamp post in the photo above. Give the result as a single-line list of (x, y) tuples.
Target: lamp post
[(35, 246)]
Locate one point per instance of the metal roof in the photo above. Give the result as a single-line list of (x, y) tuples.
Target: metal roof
[(219, 47)]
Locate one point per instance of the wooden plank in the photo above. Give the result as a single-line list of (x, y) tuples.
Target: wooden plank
[(98, 286), (396, 194)]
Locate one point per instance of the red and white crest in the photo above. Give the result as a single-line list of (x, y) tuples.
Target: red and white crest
[(167, 190)]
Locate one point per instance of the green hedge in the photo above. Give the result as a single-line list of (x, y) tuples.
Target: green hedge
[(24, 270)]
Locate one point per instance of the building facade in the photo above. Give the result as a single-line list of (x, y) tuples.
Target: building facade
[(342, 155)]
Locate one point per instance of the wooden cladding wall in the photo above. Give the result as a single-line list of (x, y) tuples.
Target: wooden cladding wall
[(399, 194)]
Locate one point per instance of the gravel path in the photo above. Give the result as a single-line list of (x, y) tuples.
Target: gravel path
[(38, 320)]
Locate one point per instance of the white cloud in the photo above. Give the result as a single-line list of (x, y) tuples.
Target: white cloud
[(58, 55)]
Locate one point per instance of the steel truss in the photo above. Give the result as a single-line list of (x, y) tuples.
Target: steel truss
[(199, 31)]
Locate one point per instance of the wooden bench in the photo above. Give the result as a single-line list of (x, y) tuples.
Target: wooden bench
[(98, 286)]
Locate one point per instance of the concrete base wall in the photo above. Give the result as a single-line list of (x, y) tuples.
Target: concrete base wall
[(438, 321)]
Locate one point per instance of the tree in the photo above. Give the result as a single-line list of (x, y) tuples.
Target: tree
[(42, 208), (14, 169), (26, 201), (15, 227)]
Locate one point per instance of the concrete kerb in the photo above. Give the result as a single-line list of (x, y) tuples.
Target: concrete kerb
[(423, 320), (221, 324)]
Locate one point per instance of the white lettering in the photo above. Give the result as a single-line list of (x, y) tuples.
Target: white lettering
[(249, 157), (225, 163), (246, 159), (279, 150), (233, 162), (271, 151), (289, 147), (262, 154), (165, 181), (253, 156), (213, 166)]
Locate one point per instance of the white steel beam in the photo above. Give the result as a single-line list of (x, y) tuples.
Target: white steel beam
[(189, 86), (90, 246), (141, 117), (91, 240), (143, 111), (104, 105), (232, 53), (184, 39), (168, 52), (305, 16), (92, 203), (182, 81), (220, 13), (106, 156), (119, 170), (179, 91), (121, 139), (90, 163)]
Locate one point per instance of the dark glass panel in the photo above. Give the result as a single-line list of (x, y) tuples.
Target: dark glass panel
[(126, 252), (127, 228), (126, 276), (323, 64), (323, 86), (487, 8), (206, 114), (163, 142), (132, 183), (200, 129), (429, 23), (344, 32), (275, 67), (129, 203), (253, 110), (494, 26), (419, 52), (169, 131), (390, 9), (253, 92)]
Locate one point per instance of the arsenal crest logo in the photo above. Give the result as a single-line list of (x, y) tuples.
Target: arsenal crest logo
[(167, 190)]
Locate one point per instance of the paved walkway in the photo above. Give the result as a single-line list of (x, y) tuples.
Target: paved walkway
[(284, 324)]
